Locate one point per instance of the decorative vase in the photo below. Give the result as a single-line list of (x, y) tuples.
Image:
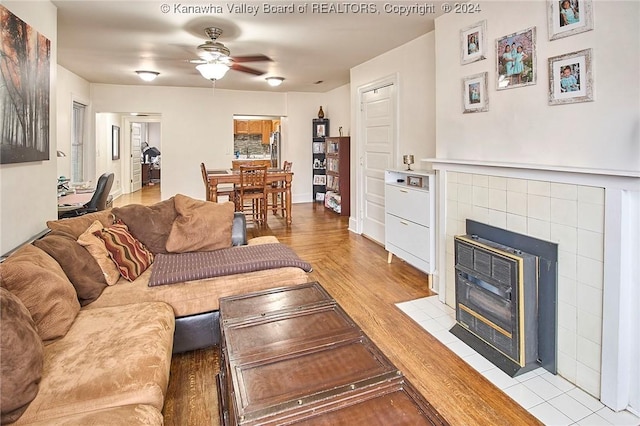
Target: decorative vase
[(320, 112)]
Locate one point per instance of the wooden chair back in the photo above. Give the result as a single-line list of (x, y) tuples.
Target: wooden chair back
[(253, 179), (205, 178)]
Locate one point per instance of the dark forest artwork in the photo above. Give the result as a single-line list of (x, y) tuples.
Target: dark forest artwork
[(24, 91)]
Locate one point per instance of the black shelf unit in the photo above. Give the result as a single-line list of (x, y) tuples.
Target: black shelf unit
[(320, 130)]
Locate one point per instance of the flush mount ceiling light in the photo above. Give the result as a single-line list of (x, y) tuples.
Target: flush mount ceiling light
[(147, 75), (274, 81), (213, 70)]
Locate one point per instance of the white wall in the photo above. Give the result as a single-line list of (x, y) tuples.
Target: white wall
[(414, 65), (197, 126), (600, 140), (104, 123), (70, 88), (520, 126), (154, 136), (31, 186), (297, 131)]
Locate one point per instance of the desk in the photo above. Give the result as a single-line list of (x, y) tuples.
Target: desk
[(217, 177)]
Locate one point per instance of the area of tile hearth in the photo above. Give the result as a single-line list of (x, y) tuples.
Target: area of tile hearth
[(552, 399)]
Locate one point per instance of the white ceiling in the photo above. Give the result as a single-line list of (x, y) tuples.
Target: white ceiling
[(106, 41)]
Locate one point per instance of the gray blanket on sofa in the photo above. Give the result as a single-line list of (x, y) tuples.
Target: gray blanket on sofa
[(180, 267)]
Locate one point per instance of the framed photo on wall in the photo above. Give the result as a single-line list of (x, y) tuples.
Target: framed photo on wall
[(516, 59), (569, 17), (475, 97), (571, 78), (115, 142), (473, 43)]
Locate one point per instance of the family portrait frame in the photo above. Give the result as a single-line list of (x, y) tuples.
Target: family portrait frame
[(320, 131), (473, 43), (319, 179), (568, 17), (475, 97), (571, 78), (516, 60), (115, 142)]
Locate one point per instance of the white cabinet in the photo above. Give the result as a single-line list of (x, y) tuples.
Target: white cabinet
[(410, 217)]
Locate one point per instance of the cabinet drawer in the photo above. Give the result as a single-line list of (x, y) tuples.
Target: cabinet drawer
[(409, 203), (411, 237)]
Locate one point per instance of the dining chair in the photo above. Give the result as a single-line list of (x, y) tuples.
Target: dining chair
[(277, 192), (251, 193), (228, 190)]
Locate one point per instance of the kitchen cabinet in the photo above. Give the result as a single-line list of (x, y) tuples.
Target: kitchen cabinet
[(255, 127), (410, 217), (241, 127), (266, 128)]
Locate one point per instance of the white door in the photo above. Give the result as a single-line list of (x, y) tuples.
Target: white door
[(378, 117), (136, 167)]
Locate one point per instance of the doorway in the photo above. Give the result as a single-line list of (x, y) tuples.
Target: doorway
[(377, 124), (144, 136)]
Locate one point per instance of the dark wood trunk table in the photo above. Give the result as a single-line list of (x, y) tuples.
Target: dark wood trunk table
[(293, 356)]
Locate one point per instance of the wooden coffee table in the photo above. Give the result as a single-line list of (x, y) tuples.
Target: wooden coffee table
[(293, 355)]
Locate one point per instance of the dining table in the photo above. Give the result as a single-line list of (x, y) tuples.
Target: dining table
[(274, 175)]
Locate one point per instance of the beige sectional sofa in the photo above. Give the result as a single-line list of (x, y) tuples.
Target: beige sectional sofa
[(77, 353)]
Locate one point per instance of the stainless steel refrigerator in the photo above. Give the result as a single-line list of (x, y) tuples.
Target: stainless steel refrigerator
[(275, 148)]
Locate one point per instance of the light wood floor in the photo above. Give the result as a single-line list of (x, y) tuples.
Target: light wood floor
[(354, 270)]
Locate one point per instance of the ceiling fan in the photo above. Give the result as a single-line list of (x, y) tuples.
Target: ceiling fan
[(215, 58)]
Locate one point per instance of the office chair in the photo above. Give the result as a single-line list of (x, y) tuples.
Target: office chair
[(99, 199)]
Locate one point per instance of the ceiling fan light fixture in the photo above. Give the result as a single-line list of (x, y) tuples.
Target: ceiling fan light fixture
[(213, 70), (147, 75), (274, 81)]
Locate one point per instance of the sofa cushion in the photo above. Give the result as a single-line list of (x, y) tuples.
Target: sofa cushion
[(110, 357), (96, 248), (41, 284), (149, 224), (77, 263), (21, 357), (75, 226), (130, 256), (138, 414), (200, 225), (196, 297)]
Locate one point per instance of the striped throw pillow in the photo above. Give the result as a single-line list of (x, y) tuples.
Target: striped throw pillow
[(130, 256)]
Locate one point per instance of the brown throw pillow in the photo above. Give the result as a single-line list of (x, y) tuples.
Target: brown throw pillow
[(129, 254), (21, 358), (200, 225), (96, 248), (149, 224), (75, 226), (40, 283), (77, 263)]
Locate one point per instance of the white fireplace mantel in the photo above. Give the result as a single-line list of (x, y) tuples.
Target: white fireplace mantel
[(620, 374)]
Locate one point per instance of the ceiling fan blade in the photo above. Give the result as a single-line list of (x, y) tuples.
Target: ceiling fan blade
[(251, 58), (197, 61), (248, 70)]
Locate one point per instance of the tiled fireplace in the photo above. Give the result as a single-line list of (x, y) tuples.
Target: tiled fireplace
[(567, 207)]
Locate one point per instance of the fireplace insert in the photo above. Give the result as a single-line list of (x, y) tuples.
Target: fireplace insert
[(497, 302)]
